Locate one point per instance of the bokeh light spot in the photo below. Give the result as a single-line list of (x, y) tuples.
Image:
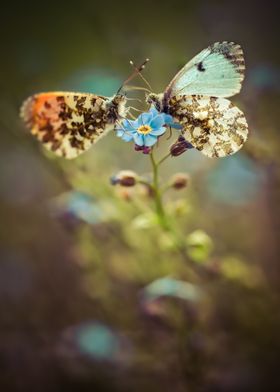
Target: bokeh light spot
[(236, 180), (98, 341), (102, 82)]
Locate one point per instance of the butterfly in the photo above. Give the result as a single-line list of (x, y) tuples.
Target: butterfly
[(196, 98), (69, 123)]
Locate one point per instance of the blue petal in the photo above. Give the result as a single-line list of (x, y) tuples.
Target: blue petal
[(119, 132), (170, 122), (144, 119), (168, 119), (153, 111), (126, 136), (158, 121), (158, 132), (150, 140), (129, 125), (138, 139), (175, 125)]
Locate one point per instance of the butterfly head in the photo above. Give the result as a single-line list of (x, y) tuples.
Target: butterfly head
[(116, 107), (156, 100)]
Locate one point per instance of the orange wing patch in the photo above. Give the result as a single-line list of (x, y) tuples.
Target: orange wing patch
[(67, 123)]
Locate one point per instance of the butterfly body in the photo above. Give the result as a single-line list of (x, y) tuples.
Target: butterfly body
[(196, 99), (69, 123)]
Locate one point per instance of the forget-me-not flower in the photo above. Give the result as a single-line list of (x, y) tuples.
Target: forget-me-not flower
[(146, 129)]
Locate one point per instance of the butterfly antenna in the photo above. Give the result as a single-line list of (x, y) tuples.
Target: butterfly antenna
[(137, 71), (140, 74), (134, 99), (137, 88), (137, 110)]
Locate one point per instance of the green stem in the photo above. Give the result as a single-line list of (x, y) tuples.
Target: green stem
[(163, 159), (144, 182), (157, 193), (164, 222)]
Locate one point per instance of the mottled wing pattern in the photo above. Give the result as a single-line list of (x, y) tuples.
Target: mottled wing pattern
[(216, 71), (212, 125), (66, 123)]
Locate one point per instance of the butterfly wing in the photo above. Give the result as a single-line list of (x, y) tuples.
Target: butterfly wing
[(216, 71), (66, 123), (214, 126)]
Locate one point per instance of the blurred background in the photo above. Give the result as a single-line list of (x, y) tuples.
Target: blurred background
[(93, 295)]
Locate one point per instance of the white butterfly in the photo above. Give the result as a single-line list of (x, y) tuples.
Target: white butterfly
[(196, 99)]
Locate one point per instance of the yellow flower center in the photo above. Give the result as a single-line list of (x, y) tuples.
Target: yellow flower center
[(144, 129)]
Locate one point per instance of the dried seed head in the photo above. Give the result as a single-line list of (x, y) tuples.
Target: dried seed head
[(180, 146), (180, 181), (124, 178)]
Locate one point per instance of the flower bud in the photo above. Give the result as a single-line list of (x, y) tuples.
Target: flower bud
[(180, 146), (138, 148), (179, 181), (144, 149), (124, 178)]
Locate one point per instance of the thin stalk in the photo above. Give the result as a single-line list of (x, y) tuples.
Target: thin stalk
[(157, 193), (163, 159), (164, 221)]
